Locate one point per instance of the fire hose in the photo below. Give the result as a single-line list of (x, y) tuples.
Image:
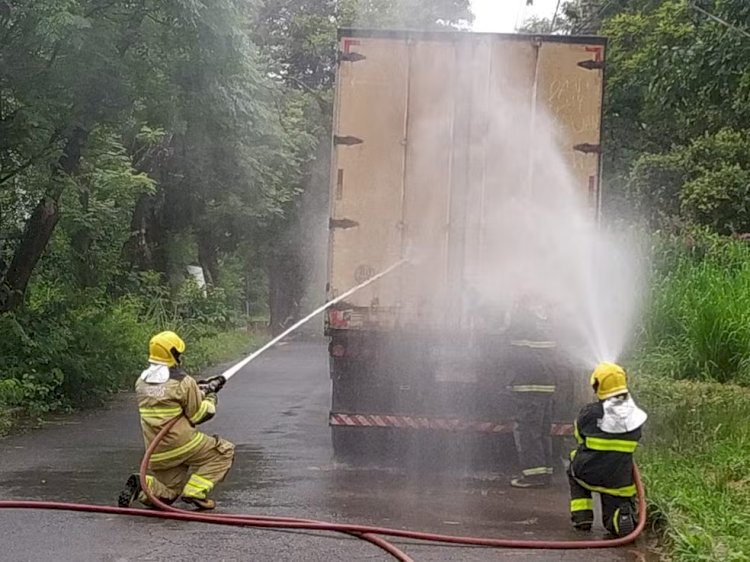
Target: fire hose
[(371, 534)]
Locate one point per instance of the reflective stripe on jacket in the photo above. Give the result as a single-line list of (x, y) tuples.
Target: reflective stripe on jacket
[(159, 403), (603, 462), (533, 358)]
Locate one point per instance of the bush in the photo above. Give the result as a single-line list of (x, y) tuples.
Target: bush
[(70, 350), (705, 182), (72, 358), (718, 198)]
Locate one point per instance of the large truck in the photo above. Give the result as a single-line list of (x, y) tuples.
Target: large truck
[(421, 120)]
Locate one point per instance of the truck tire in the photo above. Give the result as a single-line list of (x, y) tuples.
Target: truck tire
[(345, 448), (357, 446)]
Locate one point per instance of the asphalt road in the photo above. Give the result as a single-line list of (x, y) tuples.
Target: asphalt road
[(276, 413)]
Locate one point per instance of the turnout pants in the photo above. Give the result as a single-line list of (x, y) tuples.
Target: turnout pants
[(582, 507), (194, 474), (531, 431)]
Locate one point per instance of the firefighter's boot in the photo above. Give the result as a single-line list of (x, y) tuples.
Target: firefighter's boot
[(202, 504), (582, 520), (131, 492), (623, 520)]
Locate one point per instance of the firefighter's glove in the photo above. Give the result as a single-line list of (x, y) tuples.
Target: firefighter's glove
[(212, 385)]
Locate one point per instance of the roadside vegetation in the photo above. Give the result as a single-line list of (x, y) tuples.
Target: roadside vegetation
[(691, 370), (58, 355), (695, 463)]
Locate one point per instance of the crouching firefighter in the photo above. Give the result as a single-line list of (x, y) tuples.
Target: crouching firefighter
[(607, 432), (532, 385), (187, 463)]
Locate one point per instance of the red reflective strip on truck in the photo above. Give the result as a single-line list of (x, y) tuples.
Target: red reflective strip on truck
[(421, 422), (339, 319), (597, 50), (348, 43), (562, 429)]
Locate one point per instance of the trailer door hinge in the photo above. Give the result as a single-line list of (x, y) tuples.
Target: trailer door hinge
[(346, 141), (351, 56), (588, 148), (590, 64), (341, 223)]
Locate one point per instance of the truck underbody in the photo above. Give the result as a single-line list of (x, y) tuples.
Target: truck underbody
[(394, 391)]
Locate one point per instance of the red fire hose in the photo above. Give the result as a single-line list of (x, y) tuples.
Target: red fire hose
[(365, 532)]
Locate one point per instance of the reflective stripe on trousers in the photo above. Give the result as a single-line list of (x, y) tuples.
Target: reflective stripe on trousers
[(197, 487), (624, 492), (581, 504), (537, 471)]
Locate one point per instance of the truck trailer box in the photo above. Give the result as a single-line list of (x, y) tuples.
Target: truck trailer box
[(434, 135)]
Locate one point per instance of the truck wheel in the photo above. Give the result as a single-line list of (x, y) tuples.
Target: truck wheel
[(346, 446), (360, 446)]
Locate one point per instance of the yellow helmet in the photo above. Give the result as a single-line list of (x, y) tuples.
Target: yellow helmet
[(609, 380), (165, 348)]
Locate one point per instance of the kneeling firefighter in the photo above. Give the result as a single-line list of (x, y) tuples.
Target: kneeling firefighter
[(607, 432), (164, 391), (533, 356)]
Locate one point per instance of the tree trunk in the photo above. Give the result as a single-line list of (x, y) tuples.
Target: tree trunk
[(136, 252), (81, 244), (284, 291), (208, 257), (40, 226)]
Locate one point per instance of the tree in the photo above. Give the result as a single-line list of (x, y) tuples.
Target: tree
[(673, 77), (63, 73), (705, 183), (162, 110)]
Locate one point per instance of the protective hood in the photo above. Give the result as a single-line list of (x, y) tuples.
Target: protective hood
[(621, 415), (155, 374)]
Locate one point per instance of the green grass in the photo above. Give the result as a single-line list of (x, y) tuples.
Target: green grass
[(695, 462), (698, 321)]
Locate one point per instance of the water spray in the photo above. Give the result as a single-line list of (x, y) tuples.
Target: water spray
[(229, 373), (371, 534)]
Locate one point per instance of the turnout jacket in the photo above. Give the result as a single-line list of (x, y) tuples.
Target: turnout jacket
[(533, 352), (607, 433), (165, 393)]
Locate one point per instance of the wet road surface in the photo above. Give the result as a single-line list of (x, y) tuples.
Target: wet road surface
[(276, 413)]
